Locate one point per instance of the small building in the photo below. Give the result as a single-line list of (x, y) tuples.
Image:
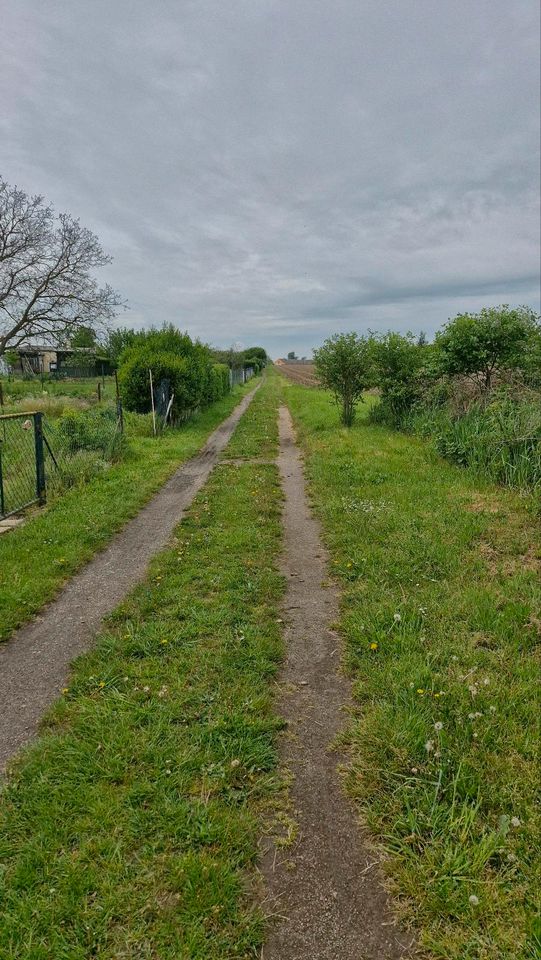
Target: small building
[(44, 360)]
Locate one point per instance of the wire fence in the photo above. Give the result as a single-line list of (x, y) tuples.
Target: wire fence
[(22, 479), (41, 456)]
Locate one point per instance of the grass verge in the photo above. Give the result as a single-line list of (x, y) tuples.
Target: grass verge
[(129, 828), (440, 615), (37, 558)]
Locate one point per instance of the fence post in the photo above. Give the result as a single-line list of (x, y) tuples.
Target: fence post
[(40, 458)]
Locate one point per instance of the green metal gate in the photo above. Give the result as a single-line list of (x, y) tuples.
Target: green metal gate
[(22, 463)]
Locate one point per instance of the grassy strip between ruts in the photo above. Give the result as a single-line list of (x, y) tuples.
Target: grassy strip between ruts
[(440, 616), (129, 828), (38, 557)]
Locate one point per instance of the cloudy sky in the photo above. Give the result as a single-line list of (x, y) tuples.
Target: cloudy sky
[(273, 171)]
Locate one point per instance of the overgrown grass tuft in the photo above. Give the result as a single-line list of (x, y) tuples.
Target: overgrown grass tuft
[(500, 441), (442, 591)]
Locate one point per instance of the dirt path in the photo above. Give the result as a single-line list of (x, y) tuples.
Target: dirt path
[(325, 888), (34, 663)]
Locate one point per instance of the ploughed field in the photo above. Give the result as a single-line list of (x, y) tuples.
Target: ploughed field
[(301, 373)]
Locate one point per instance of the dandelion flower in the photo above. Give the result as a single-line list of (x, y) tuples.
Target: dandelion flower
[(438, 726), (474, 900), (429, 746), (65, 690), (373, 646), (515, 822), (420, 690), (101, 683), (397, 618)]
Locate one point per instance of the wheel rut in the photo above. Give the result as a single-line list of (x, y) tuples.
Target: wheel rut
[(34, 662), (324, 892)]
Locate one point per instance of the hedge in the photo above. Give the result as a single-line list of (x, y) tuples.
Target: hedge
[(194, 380)]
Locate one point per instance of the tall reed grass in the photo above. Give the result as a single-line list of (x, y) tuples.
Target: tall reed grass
[(500, 439)]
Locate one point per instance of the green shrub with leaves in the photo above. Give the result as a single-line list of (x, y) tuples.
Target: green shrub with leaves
[(345, 366), (194, 380), (94, 430), (401, 367), (482, 345), (184, 378)]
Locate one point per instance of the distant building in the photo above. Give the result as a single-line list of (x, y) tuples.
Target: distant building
[(45, 360)]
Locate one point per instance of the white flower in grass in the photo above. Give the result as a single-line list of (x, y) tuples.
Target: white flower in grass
[(474, 900), (438, 726), (397, 618), (429, 746), (515, 822)]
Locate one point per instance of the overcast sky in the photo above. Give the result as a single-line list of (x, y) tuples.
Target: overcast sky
[(273, 171)]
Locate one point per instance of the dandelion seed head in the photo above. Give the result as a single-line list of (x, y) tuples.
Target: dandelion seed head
[(474, 900)]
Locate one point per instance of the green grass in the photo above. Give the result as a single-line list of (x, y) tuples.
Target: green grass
[(18, 391), (130, 829), (441, 620), (38, 557), (257, 432)]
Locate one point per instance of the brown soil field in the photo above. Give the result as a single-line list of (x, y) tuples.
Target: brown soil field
[(303, 373)]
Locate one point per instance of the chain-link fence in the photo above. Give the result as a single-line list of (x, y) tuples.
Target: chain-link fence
[(22, 467), (239, 375), (41, 456)]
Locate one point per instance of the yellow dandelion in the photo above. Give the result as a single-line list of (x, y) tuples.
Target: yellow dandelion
[(373, 646), (101, 683), (420, 690)]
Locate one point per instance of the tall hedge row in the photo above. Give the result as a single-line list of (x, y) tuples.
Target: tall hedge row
[(194, 379)]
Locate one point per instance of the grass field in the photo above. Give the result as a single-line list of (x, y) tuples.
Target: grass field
[(23, 394), (440, 615), (37, 558), (131, 827)]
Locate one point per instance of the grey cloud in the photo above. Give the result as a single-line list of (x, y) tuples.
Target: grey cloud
[(271, 171)]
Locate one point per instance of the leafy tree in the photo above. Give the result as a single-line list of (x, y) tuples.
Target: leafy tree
[(47, 289), (84, 337), (344, 365), (258, 352), (118, 340), (478, 346), (398, 363)]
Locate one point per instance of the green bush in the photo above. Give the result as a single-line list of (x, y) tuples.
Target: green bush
[(185, 380), (219, 381), (95, 430), (194, 381)]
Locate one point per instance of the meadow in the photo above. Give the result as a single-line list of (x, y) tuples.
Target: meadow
[(133, 826)]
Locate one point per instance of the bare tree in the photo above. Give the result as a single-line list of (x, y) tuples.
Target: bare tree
[(46, 287)]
